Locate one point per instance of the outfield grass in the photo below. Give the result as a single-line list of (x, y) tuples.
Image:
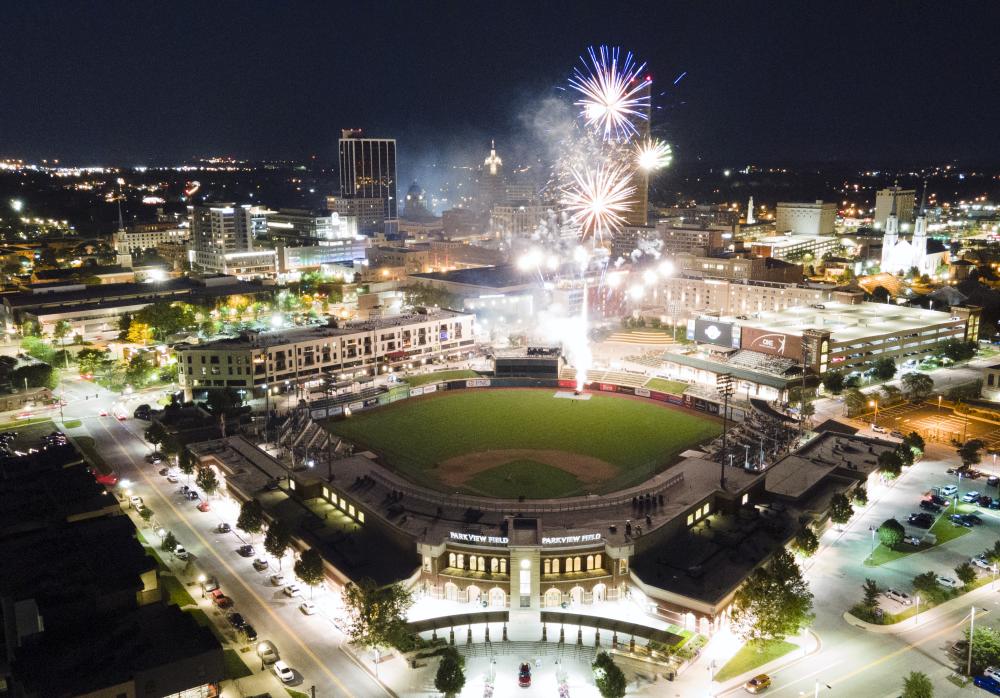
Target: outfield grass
[(521, 477), (663, 385), (750, 657), (424, 378), (636, 436)]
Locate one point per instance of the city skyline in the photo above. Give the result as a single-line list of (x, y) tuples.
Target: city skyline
[(123, 83)]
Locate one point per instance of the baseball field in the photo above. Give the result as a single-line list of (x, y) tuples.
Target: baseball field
[(526, 442)]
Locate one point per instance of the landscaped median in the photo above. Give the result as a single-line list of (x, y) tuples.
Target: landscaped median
[(861, 617), (752, 657), (943, 531)]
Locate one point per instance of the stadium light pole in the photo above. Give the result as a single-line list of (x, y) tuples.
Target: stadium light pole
[(724, 385)]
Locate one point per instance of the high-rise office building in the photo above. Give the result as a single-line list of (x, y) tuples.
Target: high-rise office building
[(799, 218), (637, 213), (904, 200), (368, 170), (223, 240)]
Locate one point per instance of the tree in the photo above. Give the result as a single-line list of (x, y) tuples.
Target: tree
[(169, 543), (140, 370), (36, 375), (38, 348), (124, 325), (917, 685), (890, 464), (140, 333), (207, 480), (222, 401), (917, 386), (927, 583), (608, 676), (146, 514), (62, 329), (957, 350), (885, 368), (309, 568), (834, 381), (377, 614), (966, 573), (251, 518), (450, 677), (841, 510), (807, 410), (970, 452), (166, 318), (985, 648), (861, 495), (871, 591), (880, 294), (855, 400), (806, 541), (914, 441), (891, 533), (773, 602), (92, 361), (905, 454), (891, 394), (993, 554), (277, 540), (186, 463)]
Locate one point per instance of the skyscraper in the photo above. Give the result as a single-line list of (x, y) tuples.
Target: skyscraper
[(223, 240), (368, 170), (901, 200), (637, 213)]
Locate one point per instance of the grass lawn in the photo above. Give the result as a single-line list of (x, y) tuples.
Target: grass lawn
[(945, 530), (292, 693), (176, 593), (236, 668), (21, 423), (883, 554), (425, 378), (518, 477), (662, 385), (71, 423), (749, 658), (636, 436), (89, 451)]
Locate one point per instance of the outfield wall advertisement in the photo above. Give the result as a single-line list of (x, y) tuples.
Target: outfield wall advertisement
[(774, 343)]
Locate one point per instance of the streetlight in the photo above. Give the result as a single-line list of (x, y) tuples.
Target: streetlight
[(939, 404), (874, 403), (201, 580), (916, 616), (872, 529), (816, 693)]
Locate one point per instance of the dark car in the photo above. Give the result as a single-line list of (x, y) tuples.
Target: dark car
[(928, 505), (223, 528), (939, 500), (524, 675), (988, 684), (155, 457), (236, 620), (972, 518), (142, 412), (984, 501), (245, 550), (249, 632), (260, 565), (993, 481), (921, 520), (192, 495), (995, 504), (960, 520)]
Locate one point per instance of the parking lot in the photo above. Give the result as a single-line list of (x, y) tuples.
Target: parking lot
[(935, 424)]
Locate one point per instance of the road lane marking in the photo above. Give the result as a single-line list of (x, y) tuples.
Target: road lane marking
[(227, 566)]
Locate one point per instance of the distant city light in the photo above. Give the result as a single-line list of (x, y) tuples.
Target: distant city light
[(17, 205)]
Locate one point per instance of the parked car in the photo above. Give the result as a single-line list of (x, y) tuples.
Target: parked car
[(278, 579), (260, 565), (293, 590), (142, 412), (223, 528), (940, 501), (211, 584), (267, 652), (204, 506), (992, 672), (249, 632), (221, 600), (928, 505), (155, 457), (960, 520), (987, 684), (758, 683), (972, 518), (981, 562), (307, 607), (879, 430), (108, 480), (181, 552), (524, 675), (921, 520), (912, 540), (283, 671), (993, 481), (172, 478), (164, 471), (192, 495), (984, 500), (970, 497), (245, 550), (897, 434), (898, 596), (949, 582), (135, 502), (948, 491), (236, 620)]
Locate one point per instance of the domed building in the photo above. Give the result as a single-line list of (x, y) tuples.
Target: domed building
[(415, 204)]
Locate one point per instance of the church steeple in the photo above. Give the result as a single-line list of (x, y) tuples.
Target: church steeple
[(750, 217), (920, 234), (891, 236)]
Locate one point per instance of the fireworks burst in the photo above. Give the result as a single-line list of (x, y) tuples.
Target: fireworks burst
[(652, 155), (597, 198), (614, 92)]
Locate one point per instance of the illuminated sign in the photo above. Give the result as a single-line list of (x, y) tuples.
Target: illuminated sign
[(714, 332), (477, 383), (566, 540), (476, 538)]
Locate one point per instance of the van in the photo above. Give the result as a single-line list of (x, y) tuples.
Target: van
[(899, 596)]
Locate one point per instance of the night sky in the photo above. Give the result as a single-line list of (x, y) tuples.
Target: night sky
[(766, 82)]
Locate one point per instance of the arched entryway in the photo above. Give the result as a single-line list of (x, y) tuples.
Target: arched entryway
[(600, 592), (498, 598), (450, 591), (475, 595), (576, 595), (552, 599)]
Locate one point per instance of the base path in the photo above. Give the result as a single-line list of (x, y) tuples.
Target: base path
[(456, 471)]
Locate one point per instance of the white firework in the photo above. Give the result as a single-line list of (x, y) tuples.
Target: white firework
[(615, 93), (597, 198), (652, 155)]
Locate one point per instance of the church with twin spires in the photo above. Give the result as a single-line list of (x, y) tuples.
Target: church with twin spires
[(920, 252)]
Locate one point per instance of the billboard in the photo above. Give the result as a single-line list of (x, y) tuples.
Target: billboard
[(774, 343), (711, 331)]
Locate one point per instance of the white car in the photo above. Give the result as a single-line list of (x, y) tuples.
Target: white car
[(912, 540), (981, 563), (293, 590), (135, 502), (949, 582), (278, 579), (283, 671), (172, 478), (899, 596), (181, 552), (879, 430), (970, 496), (307, 607), (949, 491), (993, 672)]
